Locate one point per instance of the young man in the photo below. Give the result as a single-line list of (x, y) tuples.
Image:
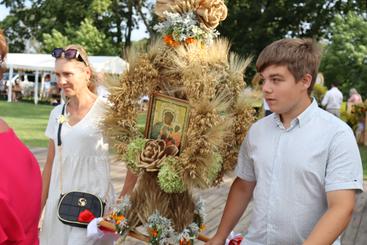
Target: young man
[(333, 99), (303, 185)]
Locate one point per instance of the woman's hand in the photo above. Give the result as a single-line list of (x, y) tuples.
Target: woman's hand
[(216, 240)]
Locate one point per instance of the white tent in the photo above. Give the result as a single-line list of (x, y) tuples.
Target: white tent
[(46, 63)]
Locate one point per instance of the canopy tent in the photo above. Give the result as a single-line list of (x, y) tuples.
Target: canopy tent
[(46, 63)]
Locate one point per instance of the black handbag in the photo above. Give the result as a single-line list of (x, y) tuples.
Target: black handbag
[(76, 208), (79, 208)]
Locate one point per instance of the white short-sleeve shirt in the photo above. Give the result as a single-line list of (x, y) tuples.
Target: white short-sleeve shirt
[(294, 169)]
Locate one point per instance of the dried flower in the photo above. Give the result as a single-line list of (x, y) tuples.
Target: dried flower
[(211, 12), (183, 28), (132, 155), (62, 119), (190, 40), (153, 153), (169, 178), (118, 218), (170, 41), (160, 229)]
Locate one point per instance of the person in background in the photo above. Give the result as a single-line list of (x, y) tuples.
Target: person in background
[(47, 86), (100, 87), (333, 99), (16, 91), (354, 98), (303, 185), (20, 185)]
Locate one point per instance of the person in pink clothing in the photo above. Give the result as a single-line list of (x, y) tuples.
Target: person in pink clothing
[(20, 186), (354, 99)]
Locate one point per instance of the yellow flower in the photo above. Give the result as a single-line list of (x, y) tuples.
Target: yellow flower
[(202, 227), (62, 119)]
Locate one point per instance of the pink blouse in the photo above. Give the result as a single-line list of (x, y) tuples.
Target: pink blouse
[(20, 192), (355, 99)]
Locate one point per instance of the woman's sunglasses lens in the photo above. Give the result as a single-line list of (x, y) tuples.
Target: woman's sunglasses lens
[(70, 53), (57, 52)]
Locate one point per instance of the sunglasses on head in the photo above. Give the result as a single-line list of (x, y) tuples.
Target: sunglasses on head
[(68, 54)]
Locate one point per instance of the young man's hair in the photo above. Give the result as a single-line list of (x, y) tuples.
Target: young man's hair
[(301, 56), (336, 83)]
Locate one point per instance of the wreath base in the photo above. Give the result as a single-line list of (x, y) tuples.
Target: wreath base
[(138, 235)]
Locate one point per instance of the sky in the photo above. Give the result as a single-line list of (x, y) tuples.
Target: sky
[(3, 12), (135, 36)]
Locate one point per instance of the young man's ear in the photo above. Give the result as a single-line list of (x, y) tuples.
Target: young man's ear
[(306, 80)]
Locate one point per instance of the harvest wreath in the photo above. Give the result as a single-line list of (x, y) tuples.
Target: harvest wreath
[(195, 86)]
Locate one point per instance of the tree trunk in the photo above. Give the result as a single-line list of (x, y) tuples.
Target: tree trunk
[(130, 25), (138, 8)]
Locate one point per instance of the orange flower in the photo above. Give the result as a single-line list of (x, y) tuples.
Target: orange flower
[(154, 233), (117, 218), (190, 40), (168, 39), (184, 242)]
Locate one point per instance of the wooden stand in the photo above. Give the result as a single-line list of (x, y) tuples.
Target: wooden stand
[(137, 235)]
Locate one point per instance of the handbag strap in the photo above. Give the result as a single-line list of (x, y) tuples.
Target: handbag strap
[(59, 146), (60, 152), (60, 126)]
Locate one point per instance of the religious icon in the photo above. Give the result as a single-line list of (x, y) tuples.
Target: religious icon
[(167, 119)]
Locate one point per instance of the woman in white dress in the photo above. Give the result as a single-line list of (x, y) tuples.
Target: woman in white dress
[(85, 162)]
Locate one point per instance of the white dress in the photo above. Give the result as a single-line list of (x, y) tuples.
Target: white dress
[(85, 167)]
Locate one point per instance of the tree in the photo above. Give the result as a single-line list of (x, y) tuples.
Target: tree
[(53, 40), (345, 57), (253, 24), (16, 30), (87, 35), (16, 33), (115, 19)]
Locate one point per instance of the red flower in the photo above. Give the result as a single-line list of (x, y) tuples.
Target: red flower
[(85, 216), (236, 241)]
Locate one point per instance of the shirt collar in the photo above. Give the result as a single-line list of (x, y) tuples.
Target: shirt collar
[(307, 114), (301, 119)]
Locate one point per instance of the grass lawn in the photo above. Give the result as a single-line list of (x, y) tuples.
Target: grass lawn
[(363, 151), (29, 122)]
